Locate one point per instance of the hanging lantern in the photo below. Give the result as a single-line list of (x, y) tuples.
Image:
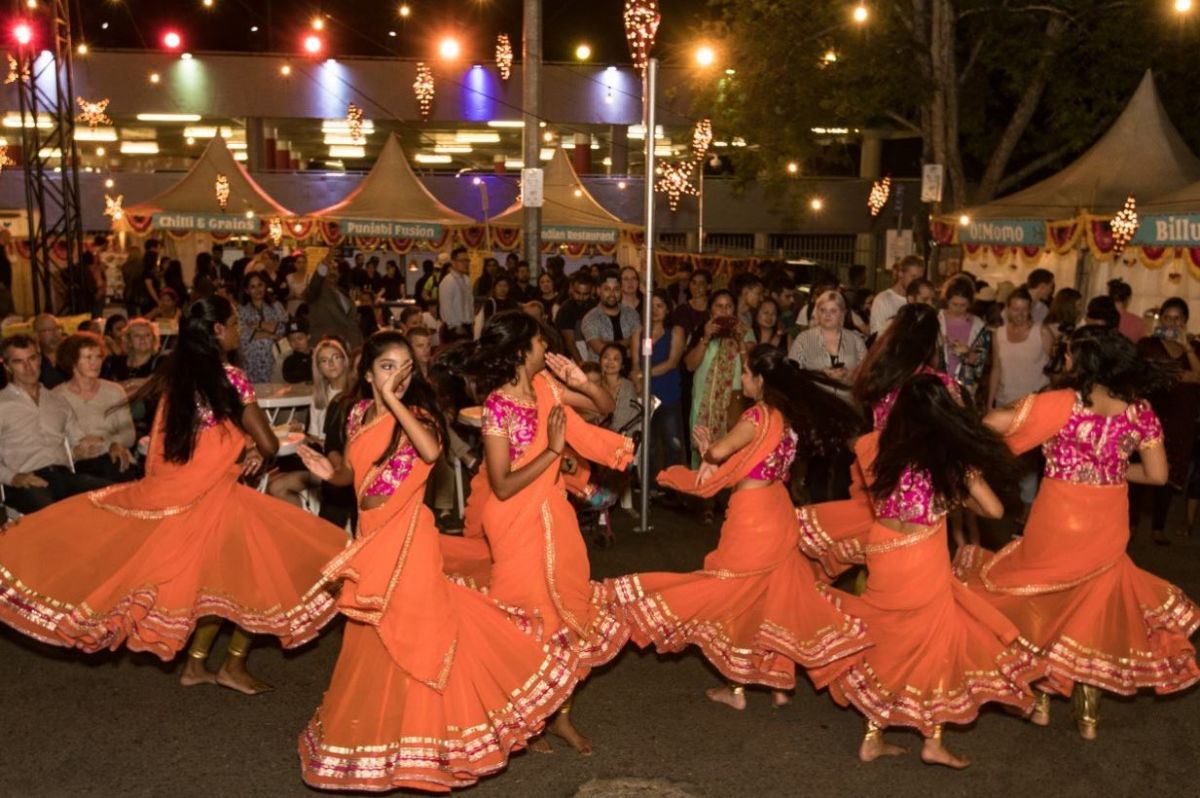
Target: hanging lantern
[(354, 123), (93, 112), (222, 189), (641, 26), (1124, 225), (881, 190), (275, 230), (675, 180), (504, 56), (423, 88), (112, 207), (702, 138)]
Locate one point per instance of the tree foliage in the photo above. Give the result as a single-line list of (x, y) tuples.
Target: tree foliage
[(998, 90)]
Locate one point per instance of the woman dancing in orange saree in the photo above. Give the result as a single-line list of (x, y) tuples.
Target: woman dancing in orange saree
[(539, 559), (139, 564), (436, 684), (1101, 622), (754, 610), (833, 534), (939, 651)]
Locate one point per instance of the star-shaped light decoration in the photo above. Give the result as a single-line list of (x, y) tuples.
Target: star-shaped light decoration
[(112, 207), (702, 138), (275, 230), (423, 88), (93, 112), (675, 180), (1124, 225), (354, 123), (880, 191), (641, 26), (4, 159), (222, 188), (15, 71), (504, 56)]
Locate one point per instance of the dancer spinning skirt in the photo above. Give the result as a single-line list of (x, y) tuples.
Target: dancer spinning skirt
[(138, 564), (1068, 584), (436, 684), (753, 610), (833, 534), (940, 652)]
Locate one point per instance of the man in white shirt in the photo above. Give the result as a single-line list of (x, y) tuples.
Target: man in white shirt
[(456, 305), (888, 302), (36, 426)]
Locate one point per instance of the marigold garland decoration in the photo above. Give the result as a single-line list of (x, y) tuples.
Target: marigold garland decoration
[(93, 112), (881, 190), (675, 180), (641, 26), (423, 88), (222, 189), (354, 123), (1124, 225), (112, 207), (504, 56)]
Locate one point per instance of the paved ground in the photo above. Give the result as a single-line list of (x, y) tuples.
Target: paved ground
[(119, 725)]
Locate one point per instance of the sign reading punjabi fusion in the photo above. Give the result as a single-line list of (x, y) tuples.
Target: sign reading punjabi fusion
[(1010, 232), (1168, 230), (207, 222), (390, 229), (580, 235)]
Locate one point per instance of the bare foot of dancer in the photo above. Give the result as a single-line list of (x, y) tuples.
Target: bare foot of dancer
[(233, 674), (562, 728), (935, 752), (873, 746), (540, 745), (195, 673), (780, 699), (730, 696)]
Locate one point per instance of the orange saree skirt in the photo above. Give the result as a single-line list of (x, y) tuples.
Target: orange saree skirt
[(754, 610), (940, 651), (1071, 589), (138, 564), (379, 727), (832, 533)]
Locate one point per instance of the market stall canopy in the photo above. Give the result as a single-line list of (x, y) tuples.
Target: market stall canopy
[(570, 214), (193, 203), (392, 202), (1141, 154)]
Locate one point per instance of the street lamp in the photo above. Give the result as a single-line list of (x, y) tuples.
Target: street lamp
[(705, 55), (861, 13), (583, 52), (1183, 6), (449, 48)]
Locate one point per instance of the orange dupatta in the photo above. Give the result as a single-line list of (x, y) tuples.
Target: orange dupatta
[(767, 435), (393, 571), (1037, 418)]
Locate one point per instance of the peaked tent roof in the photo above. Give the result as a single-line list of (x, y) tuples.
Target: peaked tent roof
[(567, 203), (1141, 154), (196, 191), (391, 192)]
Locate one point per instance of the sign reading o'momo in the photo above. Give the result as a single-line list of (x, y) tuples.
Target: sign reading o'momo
[(1010, 232)]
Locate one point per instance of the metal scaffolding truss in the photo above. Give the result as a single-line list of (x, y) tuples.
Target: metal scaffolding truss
[(49, 158)]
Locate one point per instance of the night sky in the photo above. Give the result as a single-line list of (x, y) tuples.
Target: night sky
[(361, 27)]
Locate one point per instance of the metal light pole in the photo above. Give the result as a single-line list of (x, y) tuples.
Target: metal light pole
[(649, 94), (531, 100), (700, 211)]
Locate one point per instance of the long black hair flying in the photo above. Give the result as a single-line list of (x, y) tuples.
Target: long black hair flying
[(930, 431), (493, 360), (818, 416), (909, 344), (193, 374), (1103, 356), (419, 393)]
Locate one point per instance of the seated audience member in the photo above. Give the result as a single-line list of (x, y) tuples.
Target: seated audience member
[(611, 321), (35, 426), (114, 334), (421, 341), (101, 411), (168, 306), (132, 369), (298, 366), (48, 330)]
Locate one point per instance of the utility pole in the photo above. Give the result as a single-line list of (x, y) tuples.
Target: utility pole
[(531, 100)]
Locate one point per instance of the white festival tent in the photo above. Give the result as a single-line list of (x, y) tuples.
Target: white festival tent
[(1142, 154)]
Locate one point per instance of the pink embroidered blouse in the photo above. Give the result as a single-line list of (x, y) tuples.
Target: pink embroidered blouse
[(776, 466), (245, 390), (883, 408), (1092, 449), (389, 476), (506, 417), (914, 501)]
